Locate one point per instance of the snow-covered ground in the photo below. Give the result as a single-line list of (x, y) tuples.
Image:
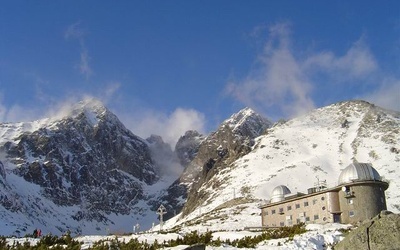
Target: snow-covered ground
[(310, 149), (298, 153), (317, 237)]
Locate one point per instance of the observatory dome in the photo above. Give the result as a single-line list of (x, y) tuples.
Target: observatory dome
[(279, 192), (358, 172)]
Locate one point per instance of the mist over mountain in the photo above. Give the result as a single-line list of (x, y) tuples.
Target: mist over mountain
[(85, 172)]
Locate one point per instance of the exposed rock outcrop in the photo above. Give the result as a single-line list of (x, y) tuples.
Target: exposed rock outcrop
[(187, 146), (86, 161), (380, 233), (233, 139)]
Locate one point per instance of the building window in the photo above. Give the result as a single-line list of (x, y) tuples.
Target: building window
[(289, 208), (306, 203), (324, 219), (297, 206), (314, 201), (351, 213), (297, 221), (273, 211), (282, 224), (307, 218), (322, 198), (323, 208), (316, 217), (281, 210), (266, 212)]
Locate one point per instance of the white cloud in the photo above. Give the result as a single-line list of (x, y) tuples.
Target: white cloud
[(84, 67), (17, 113), (140, 120), (169, 126), (387, 95), (74, 31), (357, 63), (3, 109), (110, 91), (282, 83), (278, 80)]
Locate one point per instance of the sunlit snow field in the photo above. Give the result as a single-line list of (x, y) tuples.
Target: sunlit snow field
[(317, 237)]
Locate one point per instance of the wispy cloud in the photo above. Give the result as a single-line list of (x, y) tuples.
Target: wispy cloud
[(3, 110), (282, 82), (74, 31), (278, 80), (17, 113), (387, 95), (140, 120), (110, 91), (170, 126), (357, 63), (49, 107)]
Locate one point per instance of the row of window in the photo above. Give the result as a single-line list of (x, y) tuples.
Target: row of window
[(297, 206), (298, 220)]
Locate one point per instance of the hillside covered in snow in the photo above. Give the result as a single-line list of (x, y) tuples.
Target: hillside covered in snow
[(87, 173), (299, 153)]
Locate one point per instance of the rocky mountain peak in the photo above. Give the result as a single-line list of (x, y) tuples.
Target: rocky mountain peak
[(247, 122), (2, 171), (155, 139), (233, 139), (86, 160), (92, 110)]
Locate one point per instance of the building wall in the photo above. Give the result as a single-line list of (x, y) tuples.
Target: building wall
[(362, 201), (308, 209)]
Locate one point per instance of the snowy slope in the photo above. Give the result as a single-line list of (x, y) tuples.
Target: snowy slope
[(307, 149), (317, 237), (82, 171), (296, 153)]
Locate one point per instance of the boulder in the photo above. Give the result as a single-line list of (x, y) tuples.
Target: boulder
[(381, 232)]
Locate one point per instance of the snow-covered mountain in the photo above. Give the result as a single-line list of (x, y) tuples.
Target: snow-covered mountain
[(298, 153), (205, 155), (77, 173), (87, 173)]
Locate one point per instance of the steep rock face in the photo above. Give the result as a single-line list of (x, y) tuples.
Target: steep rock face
[(2, 172), (233, 139), (86, 159), (380, 233), (187, 146), (175, 195)]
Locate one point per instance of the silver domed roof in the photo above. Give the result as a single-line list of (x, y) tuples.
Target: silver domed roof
[(279, 192), (358, 172)]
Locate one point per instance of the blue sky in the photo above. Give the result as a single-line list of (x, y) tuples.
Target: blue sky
[(167, 66)]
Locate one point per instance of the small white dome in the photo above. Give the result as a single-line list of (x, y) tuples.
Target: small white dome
[(278, 193), (358, 172)]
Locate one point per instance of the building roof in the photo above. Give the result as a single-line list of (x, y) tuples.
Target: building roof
[(358, 172)]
